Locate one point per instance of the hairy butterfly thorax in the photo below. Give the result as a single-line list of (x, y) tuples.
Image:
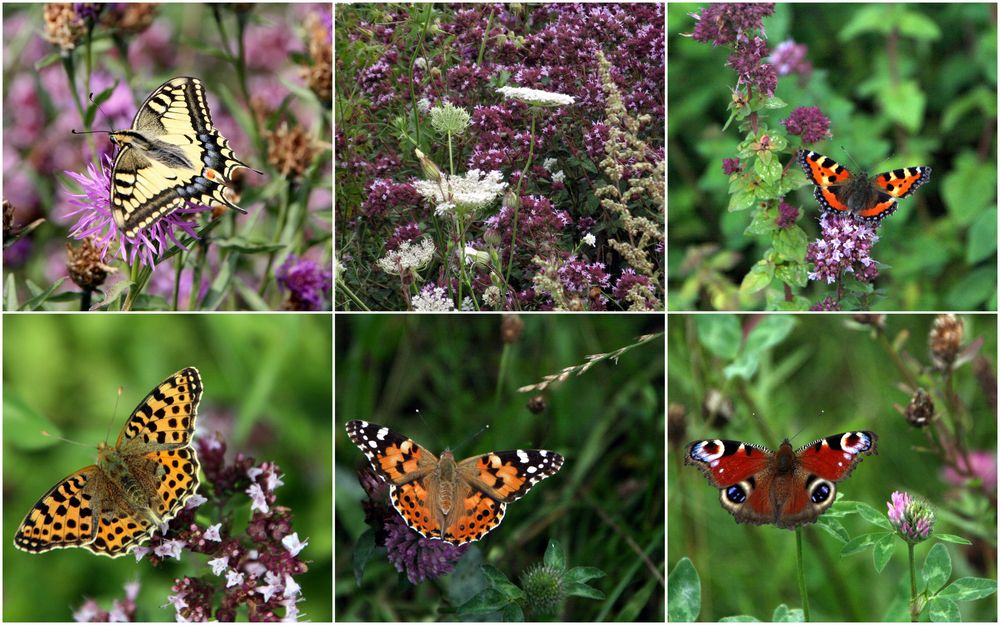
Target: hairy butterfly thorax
[(787, 487), (172, 155), (867, 198)]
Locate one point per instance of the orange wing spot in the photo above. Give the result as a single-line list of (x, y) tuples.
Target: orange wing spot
[(412, 503), (880, 210), (482, 514), (900, 183), (399, 460), (822, 170), (828, 200)]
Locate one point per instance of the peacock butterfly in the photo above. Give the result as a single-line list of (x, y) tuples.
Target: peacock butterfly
[(787, 488)]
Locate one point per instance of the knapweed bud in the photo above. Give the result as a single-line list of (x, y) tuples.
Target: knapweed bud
[(945, 340), (920, 410), (431, 171)]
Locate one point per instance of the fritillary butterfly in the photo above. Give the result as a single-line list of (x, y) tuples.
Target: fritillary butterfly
[(135, 487)]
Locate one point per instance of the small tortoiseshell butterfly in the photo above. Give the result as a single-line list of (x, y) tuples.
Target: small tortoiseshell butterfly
[(871, 199)]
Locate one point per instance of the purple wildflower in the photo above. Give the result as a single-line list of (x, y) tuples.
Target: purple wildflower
[(912, 517), (122, 611), (808, 122), (731, 166), (627, 281), (725, 22), (93, 207), (308, 284), (407, 232), (787, 214), (420, 558), (825, 305), (845, 246), (384, 196), (982, 466), (790, 58)]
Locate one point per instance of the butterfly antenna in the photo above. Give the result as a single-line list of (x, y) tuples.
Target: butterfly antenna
[(856, 164), (471, 438), (121, 390), (90, 96), (60, 438)]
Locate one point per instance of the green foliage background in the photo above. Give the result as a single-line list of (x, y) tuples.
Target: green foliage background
[(939, 248), (607, 422), (805, 377), (268, 377)]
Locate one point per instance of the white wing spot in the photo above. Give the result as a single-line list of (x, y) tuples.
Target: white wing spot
[(523, 457), (381, 434), (532, 469)]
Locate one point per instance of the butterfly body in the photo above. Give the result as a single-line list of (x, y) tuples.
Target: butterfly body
[(143, 481), (170, 156), (870, 198), (786, 488), (441, 498)]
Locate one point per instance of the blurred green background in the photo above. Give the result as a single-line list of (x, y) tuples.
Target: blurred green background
[(903, 85), (762, 378), (440, 379), (267, 385)]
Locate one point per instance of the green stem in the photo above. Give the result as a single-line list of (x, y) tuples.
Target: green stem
[(517, 210), (133, 287), (914, 614), (802, 574), (451, 159), (504, 361), (341, 285)]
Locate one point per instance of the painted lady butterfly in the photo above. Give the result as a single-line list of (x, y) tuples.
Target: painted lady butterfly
[(871, 199), (458, 502)]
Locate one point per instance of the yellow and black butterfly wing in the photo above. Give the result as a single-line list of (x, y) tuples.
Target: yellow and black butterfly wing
[(172, 155)]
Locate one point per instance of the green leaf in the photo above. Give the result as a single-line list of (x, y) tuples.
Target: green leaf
[(769, 169), (791, 243), (943, 610), (774, 102), (762, 223), (784, 614), (969, 188), (872, 515), (860, 543), (741, 200), (937, 567), (240, 244), (498, 581), (758, 278), (512, 613), (918, 26), (720, 334), (10, 293), (488, 601), (982, 237), (39, 300), (364, 549), (972, 290), (951, 538), (793, 274), (555, 556), (576, 589), (683, 593), (583, 574), (883, 551), (904, 103), (740, 618), (970, 588)]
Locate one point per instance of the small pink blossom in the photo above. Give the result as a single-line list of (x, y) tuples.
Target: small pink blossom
[(219, 565), (292, 543)]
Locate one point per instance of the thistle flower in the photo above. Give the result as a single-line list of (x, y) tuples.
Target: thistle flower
[(536, 97), (93, 208), (307, 283), (912, 517)]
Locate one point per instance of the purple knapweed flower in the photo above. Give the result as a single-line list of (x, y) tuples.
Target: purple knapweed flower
[(93, 207), (845, 246), (420, 558), (912, 517), (809, 123), (308, 284)]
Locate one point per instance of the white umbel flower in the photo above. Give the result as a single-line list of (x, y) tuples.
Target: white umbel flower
[(549, 163), (472, 192), (559, 176), (537, 97), (432, 298), (590, 239), (409, 255)]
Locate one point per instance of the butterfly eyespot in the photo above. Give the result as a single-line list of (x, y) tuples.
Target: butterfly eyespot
[(821, 492), (736, 494)]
